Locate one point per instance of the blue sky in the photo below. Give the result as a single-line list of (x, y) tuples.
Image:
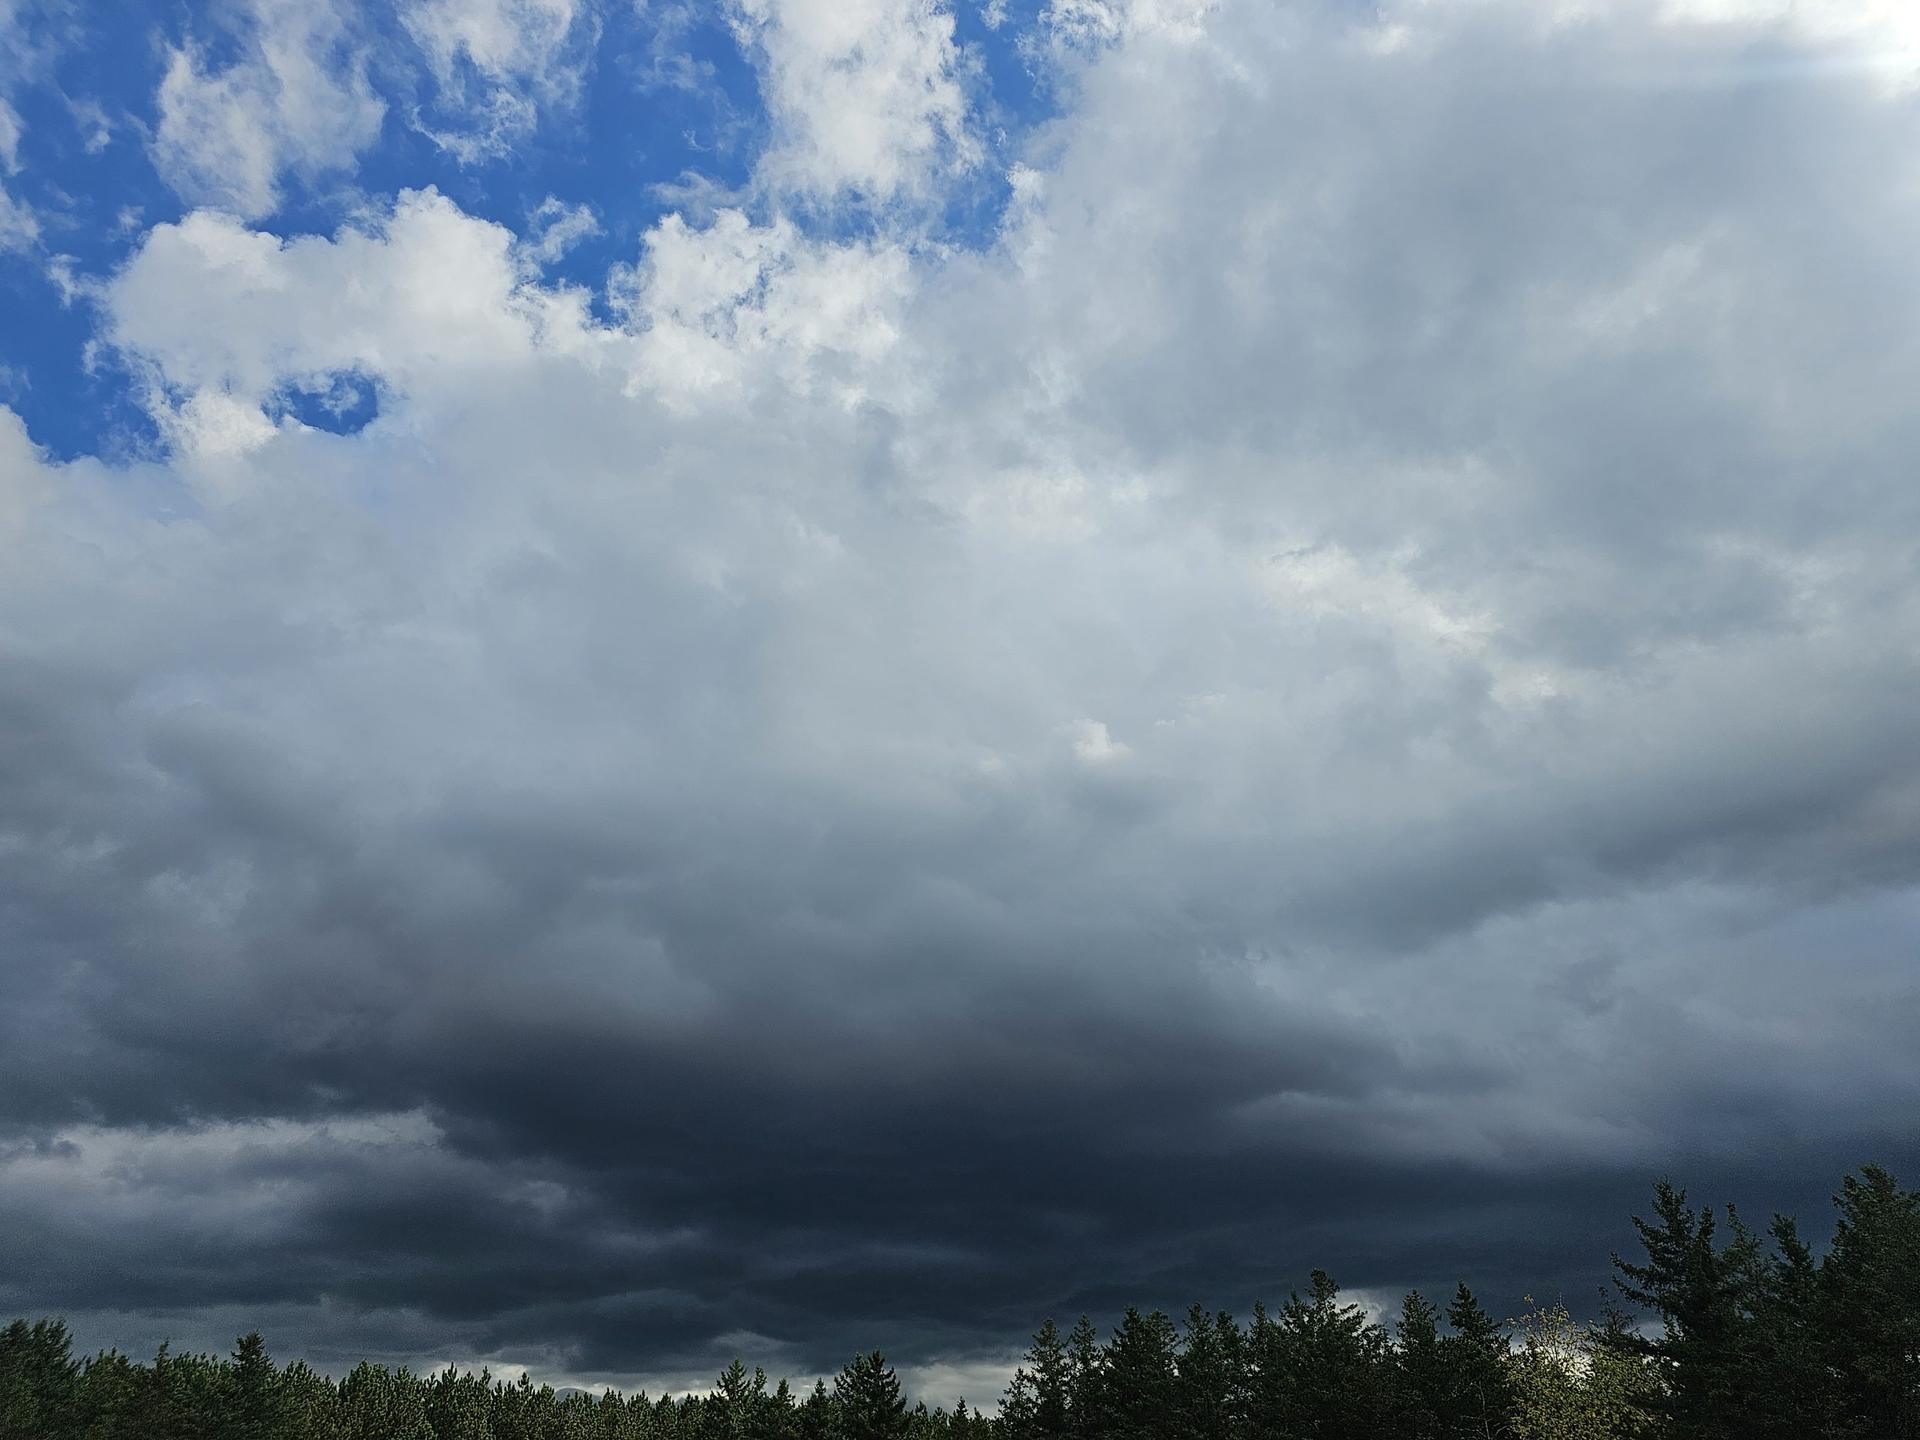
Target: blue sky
[(758, 679), (657, 97)]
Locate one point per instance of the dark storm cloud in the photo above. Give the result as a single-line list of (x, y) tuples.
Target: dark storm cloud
[(1342, 697)]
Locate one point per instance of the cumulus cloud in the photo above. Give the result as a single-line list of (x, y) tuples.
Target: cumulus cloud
[(297, 99), (720, 306), (866, 99), (1340, 694)]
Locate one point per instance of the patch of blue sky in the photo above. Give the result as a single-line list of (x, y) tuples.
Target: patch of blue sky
[(85, 106), (342, 403), (668, 116)]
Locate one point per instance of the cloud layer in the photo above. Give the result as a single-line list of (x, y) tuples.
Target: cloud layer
[(1341, 692)]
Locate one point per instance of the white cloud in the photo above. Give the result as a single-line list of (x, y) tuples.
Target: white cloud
[(498, 63), (555, 227), (10, 132), (865, 96), (1105, 22), (425, 297), (298, 99), (1093, 745), (719, 305), (19, 225)]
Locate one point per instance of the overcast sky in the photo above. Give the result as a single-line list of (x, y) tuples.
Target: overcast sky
[(784, 676)]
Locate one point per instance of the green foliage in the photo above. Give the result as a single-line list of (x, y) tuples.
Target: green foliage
[(1570, 1383), (37, 1374)]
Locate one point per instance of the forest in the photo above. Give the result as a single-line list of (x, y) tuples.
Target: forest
[(1711, 1331)]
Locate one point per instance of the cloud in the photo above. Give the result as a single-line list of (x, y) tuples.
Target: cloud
[(19, 226), (297, 99), (1103, 22), (1339, 694), (555, 227), (496, 64), (10, 129), (866, 100), (723, 307)]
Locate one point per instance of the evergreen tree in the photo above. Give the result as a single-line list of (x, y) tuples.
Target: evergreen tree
[(1140, 1382), (1039, 1396), (741, 1403), (774, 1418), (1052, 1373), (1425, 1378), (1870, 1311), (1479, 1393), (1210, 1379), (1786, 1372), (252, 1403), (817, 1417), (37, 1381), (870, 1404), (460, 1405), (1086, 1376), (1321, 1371), (1704, 1295), (372, 1403)]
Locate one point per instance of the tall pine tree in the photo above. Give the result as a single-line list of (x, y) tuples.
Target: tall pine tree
[(870, 1404)]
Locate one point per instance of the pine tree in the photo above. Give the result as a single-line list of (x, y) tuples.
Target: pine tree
[(1422, 1394), (1210, 1380), (1479, 1397), (1019, 1408), (817, 1418), (1870, 1304), (373, 1403), (773, 1418), (740, 1402), (1052, 1374), (253, 1403), (1704, 1295), (1086, 1382), (1140, 1382), (1321, 1372), (870, 1404), (1038, 1397), (460, 1405), (1785, 1371)]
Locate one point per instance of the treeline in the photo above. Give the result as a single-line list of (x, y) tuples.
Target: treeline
[(1734, 1335)]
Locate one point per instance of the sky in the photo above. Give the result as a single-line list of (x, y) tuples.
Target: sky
[(778, 676)]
